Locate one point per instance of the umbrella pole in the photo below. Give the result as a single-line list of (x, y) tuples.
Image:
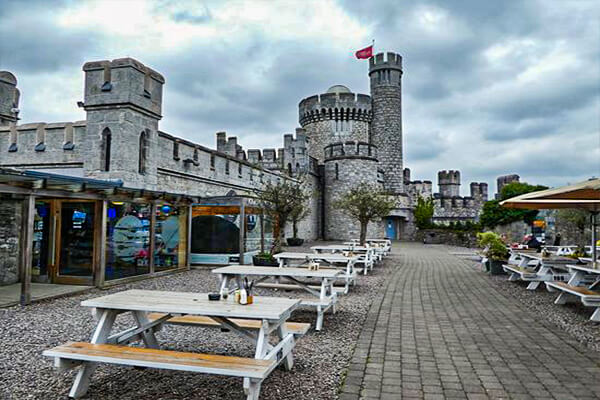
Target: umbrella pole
[(594, 239)]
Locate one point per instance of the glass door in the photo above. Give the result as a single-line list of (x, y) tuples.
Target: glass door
[(75, 243)]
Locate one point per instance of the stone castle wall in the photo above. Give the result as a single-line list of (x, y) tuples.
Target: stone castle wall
[(10, 231)]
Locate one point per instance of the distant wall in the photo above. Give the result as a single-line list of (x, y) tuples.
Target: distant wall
[(10, 231)]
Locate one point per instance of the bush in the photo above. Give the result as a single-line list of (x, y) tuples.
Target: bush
[(494, 248)]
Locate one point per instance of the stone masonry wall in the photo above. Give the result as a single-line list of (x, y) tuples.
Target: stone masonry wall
[(322, 133), (350, 172), (10, 230)]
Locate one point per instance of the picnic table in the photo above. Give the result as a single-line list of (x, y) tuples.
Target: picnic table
[(151, 309), (533, 268), (326, 296), (385, 244), (290, 259), (366, 254), (583, 284)]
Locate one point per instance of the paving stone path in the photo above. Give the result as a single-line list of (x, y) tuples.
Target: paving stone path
[(441, 330)]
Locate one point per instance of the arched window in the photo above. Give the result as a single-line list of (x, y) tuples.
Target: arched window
[(337, 172), (143, 156), (240, 170), (105, 150)]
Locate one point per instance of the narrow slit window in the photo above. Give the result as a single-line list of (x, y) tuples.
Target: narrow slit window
[(212, 161), (143, 153), (105, 150), (175, 150), (337, 172)]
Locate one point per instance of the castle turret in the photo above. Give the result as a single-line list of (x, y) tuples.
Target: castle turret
[(385, 73), (123, 101), (347, 164), (336, 116), (449, 183), (9, 99), (504, 180)]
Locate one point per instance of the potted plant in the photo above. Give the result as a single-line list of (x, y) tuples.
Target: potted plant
[(484, 240), (265, 259), (497, 253)]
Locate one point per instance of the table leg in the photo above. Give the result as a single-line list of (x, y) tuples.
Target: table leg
[(82, 379), (288, 362), (147, 335)]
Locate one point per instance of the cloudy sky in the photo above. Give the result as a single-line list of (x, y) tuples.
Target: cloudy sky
[(490, 87)]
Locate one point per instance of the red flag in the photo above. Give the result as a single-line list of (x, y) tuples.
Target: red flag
[(367, 52)]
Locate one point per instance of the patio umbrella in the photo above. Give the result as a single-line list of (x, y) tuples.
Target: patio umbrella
[(584, 195)]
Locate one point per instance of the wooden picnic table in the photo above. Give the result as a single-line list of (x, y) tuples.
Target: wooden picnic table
[(533, 268), (269, 314), (384, 244), (293, 259), (326, 295), (366, 254), (584, 284)]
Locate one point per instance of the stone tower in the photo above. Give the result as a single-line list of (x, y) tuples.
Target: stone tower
[(336, 116), (346, 165), (123, 101), (449, 183), (385, 73), (9, 99)]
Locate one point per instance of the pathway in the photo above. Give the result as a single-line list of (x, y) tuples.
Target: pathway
[(441, 330)]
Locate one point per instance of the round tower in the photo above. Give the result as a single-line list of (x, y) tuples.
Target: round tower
[(385, 73), (336, 116), (449, 183), (347, 164)]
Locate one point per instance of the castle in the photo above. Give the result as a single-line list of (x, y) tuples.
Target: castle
[(344, 139)]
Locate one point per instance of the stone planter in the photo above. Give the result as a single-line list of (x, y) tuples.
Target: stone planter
[(295, 241), (264, 262)]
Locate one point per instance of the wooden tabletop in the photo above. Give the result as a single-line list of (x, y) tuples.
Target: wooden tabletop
[(584, 268), (270, 308), (276, 271), (343, 247), (312, 256)]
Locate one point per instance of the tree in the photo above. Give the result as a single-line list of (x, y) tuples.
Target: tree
[(299, 212), (280, 200), (424, 212), (365, 203), (493, 214)]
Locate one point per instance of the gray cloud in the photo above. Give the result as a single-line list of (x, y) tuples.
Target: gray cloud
[(489, 87)]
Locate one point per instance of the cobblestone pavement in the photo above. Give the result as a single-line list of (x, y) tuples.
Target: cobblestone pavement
[(439, 329)]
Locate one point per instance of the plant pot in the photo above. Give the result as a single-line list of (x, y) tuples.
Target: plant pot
[(295, 241), (486, 265), (264, 262), (496, 267)]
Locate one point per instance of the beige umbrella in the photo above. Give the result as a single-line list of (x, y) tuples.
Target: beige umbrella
[(584, 195)]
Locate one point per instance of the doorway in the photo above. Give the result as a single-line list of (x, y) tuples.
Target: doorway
[(391, 231), (74, 242)]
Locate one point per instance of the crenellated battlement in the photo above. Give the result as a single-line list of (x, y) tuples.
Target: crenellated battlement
[(450, 177), (336, 105), (385, 60), (123, 82), (350, 150)]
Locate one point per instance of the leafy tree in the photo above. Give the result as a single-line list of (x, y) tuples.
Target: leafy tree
[(424, 212), (365, 203), (281, 200), (493, 214), (298, 213)]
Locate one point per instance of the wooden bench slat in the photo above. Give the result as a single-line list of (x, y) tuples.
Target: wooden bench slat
[(577, 290), (164, 359), (297, 328)]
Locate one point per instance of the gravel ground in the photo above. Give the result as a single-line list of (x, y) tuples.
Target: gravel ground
[(572, 318), (320, 357)]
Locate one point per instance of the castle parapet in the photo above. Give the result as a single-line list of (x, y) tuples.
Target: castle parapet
[(335, 106), (9, 98), (350, 150)]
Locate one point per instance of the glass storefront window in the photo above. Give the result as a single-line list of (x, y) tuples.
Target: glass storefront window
[(216, 229), (268, 227), (168, 251), (253, 231), (127, 239), (41, 235)]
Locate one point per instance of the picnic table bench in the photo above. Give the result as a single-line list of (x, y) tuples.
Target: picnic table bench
[(266, 315), (326, 296), (366, 254), (535, 269), (385, 245), (583, 284), (293, 259)]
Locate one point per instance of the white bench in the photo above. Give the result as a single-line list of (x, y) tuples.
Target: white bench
[(584, 284), (254, 369)]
